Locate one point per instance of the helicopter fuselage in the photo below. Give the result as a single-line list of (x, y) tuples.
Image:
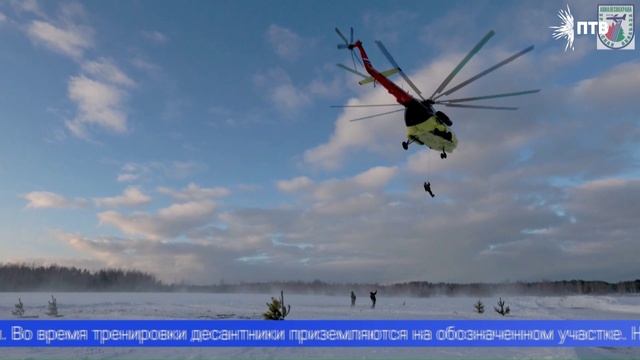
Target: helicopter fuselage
[(433, 134), (420, 118), (424, 127)]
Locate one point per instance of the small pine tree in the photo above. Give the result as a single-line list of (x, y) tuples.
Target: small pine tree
[(501, 309), (19, 309), (479, 306), (276, 310), (53, 307)]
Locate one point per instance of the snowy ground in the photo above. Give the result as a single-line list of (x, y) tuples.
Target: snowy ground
[(250, 306)]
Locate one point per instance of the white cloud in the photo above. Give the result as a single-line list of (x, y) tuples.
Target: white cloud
[(145, 65), (171, 262), (132, 196), (99, 93), (50, 200), (3, 17), (193, 192), (285, 96), (127, 177), (104, 70), (183, 169), (99, 104), (619, 84), (154, 36), (186, 211), (28, 6), (375, 177), (326, 87), (167, 223), (100, 89), (353, 196), (362, 233), (248, 187), (295, 184), (72, 11), (70, 40), (290, 98), (133, 171), (286, 43)]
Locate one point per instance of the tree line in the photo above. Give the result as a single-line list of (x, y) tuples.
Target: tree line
[(426, 289), (30, 277)]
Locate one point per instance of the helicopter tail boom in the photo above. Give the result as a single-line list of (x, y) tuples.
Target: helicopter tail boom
[(401, 96), (386, 73)]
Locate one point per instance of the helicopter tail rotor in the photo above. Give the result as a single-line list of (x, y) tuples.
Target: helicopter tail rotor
[(344, 38), (348, 45)]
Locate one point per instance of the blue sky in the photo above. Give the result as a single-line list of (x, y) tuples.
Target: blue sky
[(199, 135)]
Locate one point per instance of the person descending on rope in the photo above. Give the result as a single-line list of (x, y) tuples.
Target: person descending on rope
[(427, 188)]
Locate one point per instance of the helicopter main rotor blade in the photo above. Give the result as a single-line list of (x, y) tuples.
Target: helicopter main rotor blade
[(463, 62), (352, 71), (485, 72), (376, 115), (362, 106), (358, 58), (486, 107), (353, 59), (342, 36), (449, 101), (395, 64)]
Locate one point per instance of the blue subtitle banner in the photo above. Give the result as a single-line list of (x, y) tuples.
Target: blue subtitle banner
[(319, 333)]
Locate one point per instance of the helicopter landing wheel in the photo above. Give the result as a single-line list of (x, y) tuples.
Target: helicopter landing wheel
[(405, 144)]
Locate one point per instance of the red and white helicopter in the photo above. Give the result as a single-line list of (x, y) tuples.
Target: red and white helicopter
[(425, 126)]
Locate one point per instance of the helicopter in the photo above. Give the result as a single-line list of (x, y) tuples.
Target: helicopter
[(425, 125)]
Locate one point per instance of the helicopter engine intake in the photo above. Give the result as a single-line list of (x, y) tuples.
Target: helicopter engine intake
[(417, 112)]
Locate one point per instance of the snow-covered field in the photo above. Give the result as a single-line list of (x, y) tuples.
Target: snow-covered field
[(250, 306)]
